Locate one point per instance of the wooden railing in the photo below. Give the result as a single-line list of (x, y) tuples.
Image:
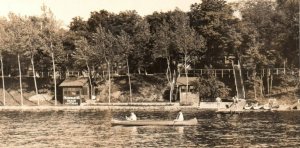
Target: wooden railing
[(193, 72)]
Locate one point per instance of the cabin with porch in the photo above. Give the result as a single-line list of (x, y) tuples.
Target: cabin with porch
[(75, 91), (186, 95)]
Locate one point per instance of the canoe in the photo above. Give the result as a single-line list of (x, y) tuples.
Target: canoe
[(154, 123)]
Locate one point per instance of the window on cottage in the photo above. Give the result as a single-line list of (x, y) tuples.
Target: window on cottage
[(66, 92), (183, 88), (191, 88)]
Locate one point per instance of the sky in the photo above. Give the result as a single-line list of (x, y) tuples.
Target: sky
[(65, 10)]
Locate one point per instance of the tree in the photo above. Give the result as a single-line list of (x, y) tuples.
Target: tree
[(78, 25), (104, 43), (33, 25), (210, 87), (52, 35), (3, 46), (18, 37), (102, 18), (189, 44), (162, 44), (143, 54), (214, 20), (274, 26), (83, 54), (126, 49), (261, 16), (287, 20)]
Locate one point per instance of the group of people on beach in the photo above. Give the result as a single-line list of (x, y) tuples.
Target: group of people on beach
[(133, 117)]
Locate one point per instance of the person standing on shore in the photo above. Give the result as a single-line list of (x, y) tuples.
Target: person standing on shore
[(132, 117), (235, 102), (179, 116), (218, 100)]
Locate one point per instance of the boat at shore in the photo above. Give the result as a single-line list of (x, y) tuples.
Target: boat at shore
[(190, 122), (247, 107), (256, 106), (267, 107)]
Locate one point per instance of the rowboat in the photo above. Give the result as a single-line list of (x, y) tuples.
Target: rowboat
[(257, 107), (154, 123), (266, 107), (247, 107)]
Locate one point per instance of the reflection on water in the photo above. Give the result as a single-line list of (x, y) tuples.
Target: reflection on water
[(93, 129)]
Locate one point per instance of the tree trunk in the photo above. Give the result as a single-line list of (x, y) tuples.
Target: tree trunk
[(269, 80), (109, 80), (261, 87), (186, 75), (271, 83), (169, 77), (109, 86), (54, 76), (3, 85), (20, 74), (176, 94), (90, 81), (34, 79), (268, 85), (254, 86), (129, 81), (173, 83)]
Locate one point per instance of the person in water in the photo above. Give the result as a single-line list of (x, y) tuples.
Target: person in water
[(131, 117), (179, 116)]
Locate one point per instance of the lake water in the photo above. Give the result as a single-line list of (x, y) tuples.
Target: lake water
[(93, 129)]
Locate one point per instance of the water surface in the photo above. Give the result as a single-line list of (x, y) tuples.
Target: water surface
[(93, 129)]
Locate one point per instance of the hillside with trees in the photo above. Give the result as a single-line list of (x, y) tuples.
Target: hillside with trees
[(112, 49)]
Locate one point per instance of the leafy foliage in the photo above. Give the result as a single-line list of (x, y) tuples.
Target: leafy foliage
[(210, 87)]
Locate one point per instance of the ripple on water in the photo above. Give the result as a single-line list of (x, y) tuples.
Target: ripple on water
[(93, 129)]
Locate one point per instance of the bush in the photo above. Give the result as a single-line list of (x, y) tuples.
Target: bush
[(210, 87)]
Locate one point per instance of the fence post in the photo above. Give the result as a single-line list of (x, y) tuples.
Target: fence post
[(222, 73)]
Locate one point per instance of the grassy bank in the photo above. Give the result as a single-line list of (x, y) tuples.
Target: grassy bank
[(145, 88)]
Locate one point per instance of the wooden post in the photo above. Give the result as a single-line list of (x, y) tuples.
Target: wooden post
[(271, 85), (247, 74), (284, 67), (222, 73), (268, 81), (215, 73)]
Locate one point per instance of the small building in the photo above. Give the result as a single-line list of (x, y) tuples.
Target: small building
[(75, 90), (186, 95)]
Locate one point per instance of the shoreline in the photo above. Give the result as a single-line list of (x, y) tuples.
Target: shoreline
[(98, 108), (126, 108)]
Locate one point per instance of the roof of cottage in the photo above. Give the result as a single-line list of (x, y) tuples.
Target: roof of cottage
[(71, 82), (182, 80)]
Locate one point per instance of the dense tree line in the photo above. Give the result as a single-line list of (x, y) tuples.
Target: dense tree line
[(266, 33)]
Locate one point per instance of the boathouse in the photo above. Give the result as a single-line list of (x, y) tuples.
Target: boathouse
[(185, 92), (75, 91)]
